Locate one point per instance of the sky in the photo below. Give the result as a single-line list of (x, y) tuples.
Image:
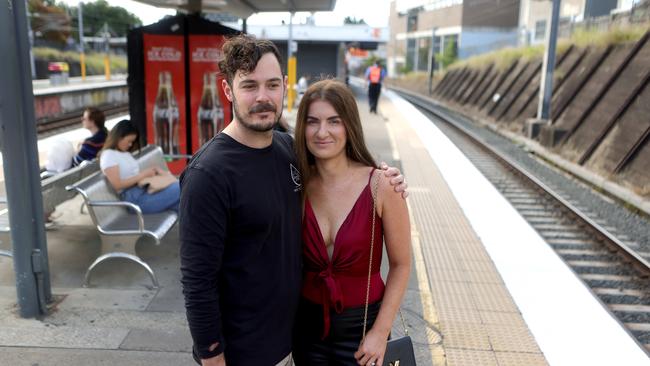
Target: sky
[(378, 17)]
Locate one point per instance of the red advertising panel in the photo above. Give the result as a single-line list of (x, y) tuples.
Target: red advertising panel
[(210, 109), (165, 95)]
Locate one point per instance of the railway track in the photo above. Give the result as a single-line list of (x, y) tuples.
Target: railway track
[(64, 123), (617, 275)]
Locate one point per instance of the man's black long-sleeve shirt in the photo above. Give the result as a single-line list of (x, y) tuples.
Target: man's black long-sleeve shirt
[(240, 216)]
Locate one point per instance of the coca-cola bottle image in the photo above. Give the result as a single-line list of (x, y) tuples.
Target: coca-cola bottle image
[(166, 115), (210, 113)]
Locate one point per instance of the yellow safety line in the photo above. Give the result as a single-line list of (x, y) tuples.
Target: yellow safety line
[(426, 298)]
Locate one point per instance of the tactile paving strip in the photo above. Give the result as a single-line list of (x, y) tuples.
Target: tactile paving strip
[(459, 315), (511, 338), (479, 321), (520, 359), (465, 335), (499, 318), (469, 357)]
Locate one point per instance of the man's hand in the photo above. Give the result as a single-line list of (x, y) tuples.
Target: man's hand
[(396, 178), (218, 360)]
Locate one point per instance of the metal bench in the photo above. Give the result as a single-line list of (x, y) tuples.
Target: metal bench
[(54, 193), (54, 188), (121, 224)]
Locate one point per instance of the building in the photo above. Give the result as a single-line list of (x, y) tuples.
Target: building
[(421, 28), (321, 51), (535, 15)]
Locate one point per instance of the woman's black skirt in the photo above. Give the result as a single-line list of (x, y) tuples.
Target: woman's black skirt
[(339, 346)]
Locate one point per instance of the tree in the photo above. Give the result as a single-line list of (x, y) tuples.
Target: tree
[(49, 21), (56, 21), (371, 61), (353, 20), (98, 13), (448, 56)]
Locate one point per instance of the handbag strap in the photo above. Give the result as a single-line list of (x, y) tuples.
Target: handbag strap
[(372, 245)]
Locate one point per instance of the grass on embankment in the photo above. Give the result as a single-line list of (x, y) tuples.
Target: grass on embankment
[(94, 61), (581, 38), (418, 81)]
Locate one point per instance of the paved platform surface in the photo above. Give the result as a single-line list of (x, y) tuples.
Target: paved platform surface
[(460, 291), (457, 308), (44, 87)]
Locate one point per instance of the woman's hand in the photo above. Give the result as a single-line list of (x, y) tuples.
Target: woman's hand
[(149, 172), (371, 351), (161, 171)]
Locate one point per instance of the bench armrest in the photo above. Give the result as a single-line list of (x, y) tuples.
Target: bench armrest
[(177, 156), (130, 205)]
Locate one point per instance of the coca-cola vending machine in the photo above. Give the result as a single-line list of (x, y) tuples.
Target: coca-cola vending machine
[(175, 94)]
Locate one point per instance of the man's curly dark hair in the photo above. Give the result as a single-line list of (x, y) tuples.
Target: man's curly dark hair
[(242, 53)]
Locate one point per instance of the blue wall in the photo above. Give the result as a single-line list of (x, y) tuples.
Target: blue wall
[(475, 41)]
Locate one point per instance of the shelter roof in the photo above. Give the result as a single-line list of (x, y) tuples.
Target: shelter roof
[(244, 8), (345, 33)]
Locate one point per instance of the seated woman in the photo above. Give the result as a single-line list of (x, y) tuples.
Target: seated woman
[(123, 172), (344, 201), (93, 120)]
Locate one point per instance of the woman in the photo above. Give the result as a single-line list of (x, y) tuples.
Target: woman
[(338, 175), (93, 120), (123, 173)]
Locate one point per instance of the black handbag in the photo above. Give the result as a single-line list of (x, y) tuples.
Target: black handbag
[(399, 351)]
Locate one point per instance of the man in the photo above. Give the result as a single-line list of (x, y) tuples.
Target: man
[(240, 215), (374, 75)]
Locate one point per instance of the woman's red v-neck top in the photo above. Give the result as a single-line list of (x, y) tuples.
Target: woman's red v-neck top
[(341, 282)]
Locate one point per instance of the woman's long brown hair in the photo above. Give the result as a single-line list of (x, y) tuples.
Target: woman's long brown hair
[(342, 100), (122, 129)]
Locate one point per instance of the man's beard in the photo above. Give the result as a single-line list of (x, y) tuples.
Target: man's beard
[(265, 107)]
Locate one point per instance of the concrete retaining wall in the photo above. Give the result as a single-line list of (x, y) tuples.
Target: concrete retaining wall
[(54, 103), (600, 107)]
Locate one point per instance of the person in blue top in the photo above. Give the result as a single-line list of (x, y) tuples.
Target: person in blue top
[(374, 75), (93, 120)]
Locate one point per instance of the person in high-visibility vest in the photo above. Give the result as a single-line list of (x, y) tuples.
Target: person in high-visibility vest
[(374, 75)]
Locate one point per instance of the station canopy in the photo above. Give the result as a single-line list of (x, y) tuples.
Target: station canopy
[(243, 8)]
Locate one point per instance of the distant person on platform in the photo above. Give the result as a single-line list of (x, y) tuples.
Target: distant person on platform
[(93, 120), (374, 75)]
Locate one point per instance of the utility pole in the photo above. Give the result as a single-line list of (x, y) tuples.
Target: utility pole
[(546, 84), (30, 34), (107, 62), (20, 163), (82, 56), (432, 59), (291, 66)]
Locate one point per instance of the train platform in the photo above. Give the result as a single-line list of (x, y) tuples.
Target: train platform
[(44, 87), (485, 289), (74, 136)]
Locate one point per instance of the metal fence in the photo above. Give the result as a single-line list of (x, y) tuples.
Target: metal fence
[(639, 14)]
